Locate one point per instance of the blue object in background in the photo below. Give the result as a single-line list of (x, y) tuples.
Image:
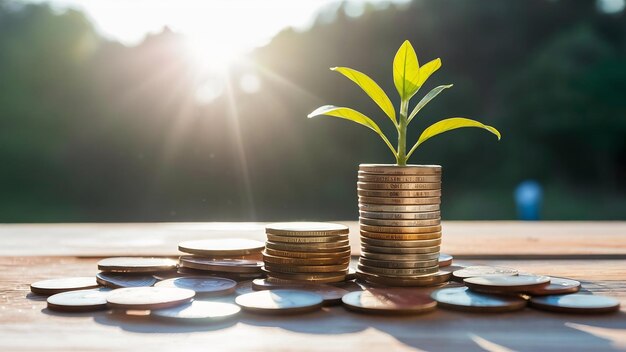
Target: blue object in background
[(528, 197)]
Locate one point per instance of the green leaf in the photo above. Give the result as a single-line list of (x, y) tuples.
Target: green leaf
[(426, 99), (406, 71), (451, 124), (371, 88), (427, 70)]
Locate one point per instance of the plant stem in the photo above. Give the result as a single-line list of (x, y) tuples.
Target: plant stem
[(401, 159)]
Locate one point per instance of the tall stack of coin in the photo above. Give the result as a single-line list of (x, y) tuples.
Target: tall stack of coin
[(297, 252), (400, 223)]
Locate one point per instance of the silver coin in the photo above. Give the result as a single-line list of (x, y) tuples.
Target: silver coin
[(385, 222), (461, 298), (505, 284), (121, 280), (398, 208), (400, 216), (445, 260), (401, 243), (148, 298), (576, 303), (199, 311), (314, 229), (136, 264), (205, 286), (79, 301), (482, 270), (396, 264), (399, 257), (280, 301), (557, 286), (401, 250), (222, 247), (54, 286)]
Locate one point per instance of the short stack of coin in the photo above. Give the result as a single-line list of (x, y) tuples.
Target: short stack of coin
[(306, 252), (400, 223)]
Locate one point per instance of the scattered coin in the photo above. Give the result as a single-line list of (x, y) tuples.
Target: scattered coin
[(430, 251), (136, 265), (330, 294), (148, 298), (399, 257), (202, 286), (340, 246), (405, 281), (351, 275), (576, 303), (199, 311), (398, 208), (391, 264), (461, 298), (557, 286), (306, 255), (402, 236), (506, 284), (400, 216), (365, 177), (308, 239), (482, 270), (445, 260), (280, 301), (389, 301), (400, 201), (221, 265), (306, 261), (305, 229), (78, 301), (402, 223), (54, 286), (118, 280), (221, 247), (402, 229), (398, 272), (401, 243), (244, 287), (400, 170)]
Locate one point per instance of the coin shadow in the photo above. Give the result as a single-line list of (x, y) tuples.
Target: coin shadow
[(35, 297), (150, 325)]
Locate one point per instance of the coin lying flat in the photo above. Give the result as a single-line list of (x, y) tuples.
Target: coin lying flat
[(401, 250), (307, 239), (148, 298), (402, 193), (391, 264), (400, 216), (221, 265), (136, 265), (305, 261), (78, 301), (576, 303), (340, 246), (398, 208), (389, 301), (383, 169), (557, 286), (461, 298), (405, 281), (306, 255), (221, 247), (399, 257), (202, 286), (119, 280), (280, 301), (506, 284), (400, 201), (401, 243), (54, 286), (445, 260), (313, 229), (199, 311), (402, 236), (330, 294), (401, 229), (365, 177), (482, 270)]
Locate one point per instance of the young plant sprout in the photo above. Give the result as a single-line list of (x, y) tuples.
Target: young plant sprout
[(408, 77)]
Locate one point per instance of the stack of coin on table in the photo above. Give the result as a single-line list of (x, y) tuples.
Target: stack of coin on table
[(400, 225), (306, 252)]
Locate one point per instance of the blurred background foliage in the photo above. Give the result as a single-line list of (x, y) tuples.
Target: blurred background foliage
[(92, 130)]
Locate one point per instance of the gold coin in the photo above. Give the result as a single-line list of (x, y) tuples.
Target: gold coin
[(399, 272), (401, 229), (383, 169), (398, 194), (308, 261), (389, 208), (401, 243), (400, 250), (136, 264), (304, 229), (400, 216), (399, 186), (399, 201), (296, 269), (312, 277), (401, 236), (395, 264), (399, 257), (365, 177), (405, 281), (403, 223), (340, 246), (295, 239), (332, 281), (221, 264), (306, 255)]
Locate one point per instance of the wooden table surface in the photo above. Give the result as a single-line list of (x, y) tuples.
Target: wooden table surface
[(592, 252)]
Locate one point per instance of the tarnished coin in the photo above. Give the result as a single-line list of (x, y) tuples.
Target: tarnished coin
[(388, 193), (54, 286), (506, 284), (366, 177), (404, 223), (400, 201), (233, 276), (199, 311), (557, 286), (400, 187), (461, 298), (389, 301), (306, 255), (221, 247), (330, 294), (395, 264), (401, 229), (399, 257), (340, 246), (401, 236), (221, 265), (351, 275), (288, 268), (400, 216), (445, 260), (118, 280), (280, 301), (576, 303), (148, 298), (202, 286), (398, 272), (482, 270), (136, 264), (321, 278), (398, 208), (244, 287), (401, 243), (401, 250), (312, 229), (305, 261), (382, 169), (79, 301), (307, 239), (437, 278)]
